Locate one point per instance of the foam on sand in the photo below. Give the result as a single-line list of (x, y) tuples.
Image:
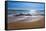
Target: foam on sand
[(23, 18)]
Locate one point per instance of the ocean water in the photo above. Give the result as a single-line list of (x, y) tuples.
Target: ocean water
[(11, 12), (17, 11)]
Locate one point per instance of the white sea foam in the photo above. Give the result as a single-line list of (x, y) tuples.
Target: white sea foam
[(23, 18)]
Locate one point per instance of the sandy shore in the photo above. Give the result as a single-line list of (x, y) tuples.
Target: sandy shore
[(27, 24)]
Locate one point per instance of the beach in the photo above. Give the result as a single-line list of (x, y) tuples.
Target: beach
[(22, 22)]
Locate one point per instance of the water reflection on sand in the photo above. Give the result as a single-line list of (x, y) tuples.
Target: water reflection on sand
[(23, 18)]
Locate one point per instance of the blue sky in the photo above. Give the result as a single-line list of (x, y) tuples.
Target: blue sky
[(34, 8), (30, 6)]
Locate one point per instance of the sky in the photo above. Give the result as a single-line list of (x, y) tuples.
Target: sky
[(25, 6), (32, 7)]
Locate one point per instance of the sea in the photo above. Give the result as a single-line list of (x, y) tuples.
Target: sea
[(11, 12)]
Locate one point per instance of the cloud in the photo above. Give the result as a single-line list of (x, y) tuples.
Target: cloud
[(25, 9)]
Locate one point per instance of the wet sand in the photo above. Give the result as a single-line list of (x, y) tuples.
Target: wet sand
[(22, 25)]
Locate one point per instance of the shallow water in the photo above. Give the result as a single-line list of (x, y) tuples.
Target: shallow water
[(23, 18)]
